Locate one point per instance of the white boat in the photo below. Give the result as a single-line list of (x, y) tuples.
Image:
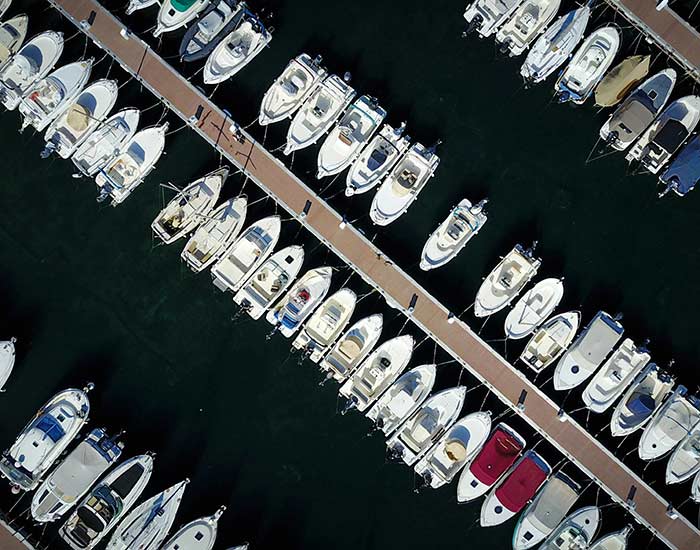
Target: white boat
[(576, 532), (695, 489), (68, 483), (528, 21), (189, 207), (199, 534), (297, 82), (137, 5), (213, 24), (684, 461), (30, 64), (463, 223), (4, 6), (352, 347), (213, 237), (318, 113), (175, 14), (377, 372), (345, 141), (613, 541), (403, 184), (326, 324), (505, 281), (486, 16), (12, 35), (44, 438), (587, 353), (7, 360), (551, 340), (533, 308), (270, 281), (618, 372), (459, 445), (553, 48)]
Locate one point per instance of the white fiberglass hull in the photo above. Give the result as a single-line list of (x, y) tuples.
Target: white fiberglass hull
[(486, 16), (533, 308), (352, 347), (199, 534), (12, 35), (613, 541), (528, 21), (235, 52), (578, 528), (7, 360), (170, 18), (551, 340), (137, 5), (684, 462)]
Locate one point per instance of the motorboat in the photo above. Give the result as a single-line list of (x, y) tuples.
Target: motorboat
[(270, 281), (546, 511), (376, 159), (7, 360), (551, 340), (613, 541), (587, 353), (12, 35), (453, 234), (300, 78), (577, 531), (345, 141), (44, 438), (318, 113), (618, 372), (533, 308), (377, 372), (486, 16), (4, 6), (622, 78), (199, 534), (553, 48), (588, 66), (459, 445), (684, 461), (695, 489), (506, 280), (213, 237), (217, 20), (175, 14), (69, 482), (252, 247), (528, 21), (138, 5), (426, 425), (510, 495), (190, 207), (107, 503), (683, 173), (498, 454), (403, 184), (638, 110), (352, 347)]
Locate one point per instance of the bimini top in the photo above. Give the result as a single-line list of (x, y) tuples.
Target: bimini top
[(523, 482)]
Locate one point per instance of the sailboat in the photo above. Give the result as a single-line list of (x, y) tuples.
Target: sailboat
[(175, 14), (352, 347), (7, 360), (551, 340), (621, 79), (486, 16), (577, 531), (528, 21), (218, 19), (199, 534), (533, 308), (613, 541), (12, 35)]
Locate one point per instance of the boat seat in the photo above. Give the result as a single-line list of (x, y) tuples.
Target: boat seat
[(350, 348)]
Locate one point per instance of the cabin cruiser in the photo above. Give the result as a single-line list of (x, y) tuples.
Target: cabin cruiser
[(44, 438), (199, 534), (505, 282), (12, 35), (589, 350), (576, 532), (403, 184), (137, 5), (175, 14), (7, 360), (463, 223), (217, 20), (486, 16), (613, 541), (352, 347), (528, 21), (619, 80), (684, 172), (684, 462), (533, 308), (551, 340)]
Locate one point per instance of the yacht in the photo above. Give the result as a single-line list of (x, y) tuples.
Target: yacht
[(12, 35), (213, 237), (318, 113), (137, 5), (551, 340), (684, 462), (44, 438), (463, 223), (621, 79), (426, 425), (199, 534), (613, 541), (68, 483), (7, 360), (505, 282), (189, 207), (638, 110), (576, 532), (175, 14), (528, 21), (486, 16), (533, 308), (217, 20), (300, 78), (589, 350), (352, 347), (403, 184)]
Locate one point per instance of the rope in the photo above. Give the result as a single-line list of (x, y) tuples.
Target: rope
[(171, 132)]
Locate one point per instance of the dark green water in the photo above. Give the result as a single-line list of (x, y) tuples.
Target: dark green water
[(90, 298)]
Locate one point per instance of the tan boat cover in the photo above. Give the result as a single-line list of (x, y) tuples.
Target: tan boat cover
[(621, 79), (78, 118)]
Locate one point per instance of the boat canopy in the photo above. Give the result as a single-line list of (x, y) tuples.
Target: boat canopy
[(182, 5), (519, 487), (496, 457), (51, 427)]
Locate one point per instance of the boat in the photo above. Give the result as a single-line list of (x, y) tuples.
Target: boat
[(44, 438), (12, 35), (453, 234), (553, 48), (190, 207), (270, 281), (352, 347), (506, 280), (576, 532), (217, 20), (124, 173), (31, 63), (546, 511), (588, 66), (510, 495), (613, 541), (589, 350), (345, 141), (107, 503), (618, 372), (695, 489), (199, 534), (137, 5), (300, 301), (300, 78), (426, 425), (403, 184), (252, 247), (623, 77), (550, 340), (7, 360), (326, 324), (533, 308), (459, 445), (498, 454), (638, 110), (684, 461), (4, 6), (175, 14), (486, 16), (666, 135), (528, 21), (377, 372), (237, 49), (68, 483), (213, 237), (683, 173)]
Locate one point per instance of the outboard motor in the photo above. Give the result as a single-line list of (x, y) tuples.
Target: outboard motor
[(474, 23), (504, 47), (50, 147)]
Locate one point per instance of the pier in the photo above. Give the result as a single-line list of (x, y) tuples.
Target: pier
[(398, 288)]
